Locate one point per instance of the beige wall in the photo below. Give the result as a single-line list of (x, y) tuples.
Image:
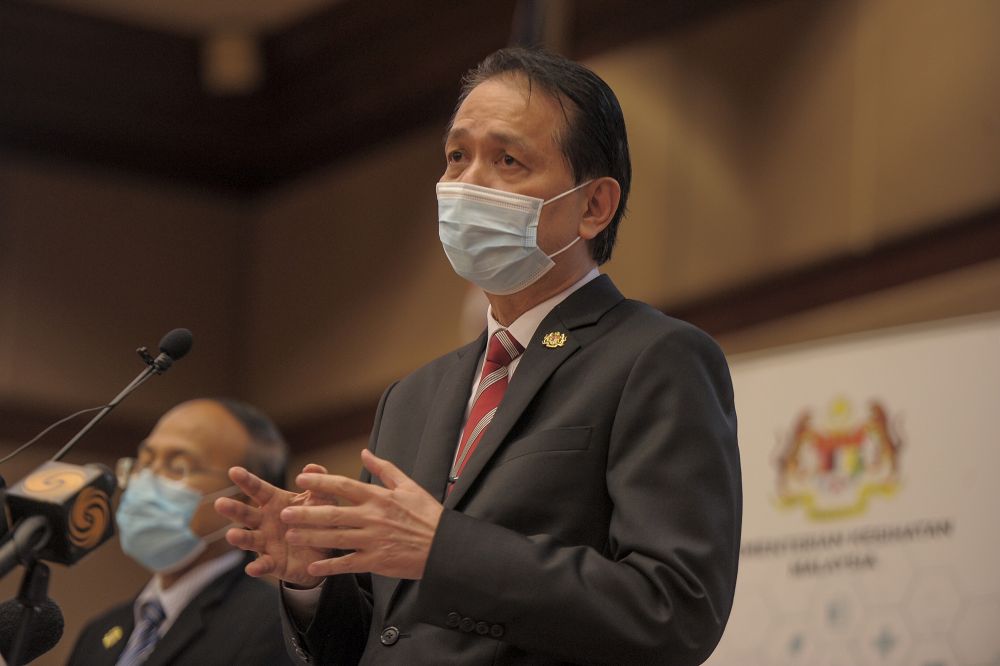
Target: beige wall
[(95, 264), (351, 289), (770, 138), (788, 132)]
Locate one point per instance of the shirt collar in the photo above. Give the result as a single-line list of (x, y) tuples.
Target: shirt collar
[(523, 328), (175, 599)]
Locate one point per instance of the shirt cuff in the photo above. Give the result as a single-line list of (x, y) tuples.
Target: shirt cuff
[(301, 604)]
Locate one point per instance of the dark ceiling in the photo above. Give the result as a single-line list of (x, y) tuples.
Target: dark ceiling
[(357, 74)]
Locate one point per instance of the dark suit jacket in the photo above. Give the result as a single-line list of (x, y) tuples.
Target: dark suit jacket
[(234, 620), (597, 522)]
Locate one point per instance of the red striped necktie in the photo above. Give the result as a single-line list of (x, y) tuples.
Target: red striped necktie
[(500, 353)]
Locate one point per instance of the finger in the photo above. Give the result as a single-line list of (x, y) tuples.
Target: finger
[(252, 486), (349, 563), (390, 475), (328, 539), (246, 539), (262, 566), (334, 485), (325, 516), (315, 498), (313, 468), (238, 512)]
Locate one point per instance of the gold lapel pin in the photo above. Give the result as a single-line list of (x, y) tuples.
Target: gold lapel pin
[(554, 339), (113, 636)]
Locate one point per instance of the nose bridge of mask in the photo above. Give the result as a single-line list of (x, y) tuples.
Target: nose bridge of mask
[(487, 195)]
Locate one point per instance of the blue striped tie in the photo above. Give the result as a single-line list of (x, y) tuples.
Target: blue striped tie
[(144, 637)]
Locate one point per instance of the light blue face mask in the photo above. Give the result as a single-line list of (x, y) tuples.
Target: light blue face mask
[(491, 236), (154, 522)]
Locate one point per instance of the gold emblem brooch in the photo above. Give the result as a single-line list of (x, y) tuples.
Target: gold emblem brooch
[(554, 339), (113, 636)]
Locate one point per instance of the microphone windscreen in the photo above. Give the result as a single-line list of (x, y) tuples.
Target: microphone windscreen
[(44, 632), (176, 343)]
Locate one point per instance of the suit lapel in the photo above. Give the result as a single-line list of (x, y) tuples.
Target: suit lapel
[(581, 309), (120, 624), (191, 621), (439, 439), (444, 422)]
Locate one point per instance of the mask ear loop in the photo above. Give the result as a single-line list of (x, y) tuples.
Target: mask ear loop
[(569, 191), (558, 252), (560, 196), (228, 491), (212, 537)]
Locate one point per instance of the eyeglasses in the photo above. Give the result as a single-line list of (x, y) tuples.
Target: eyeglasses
[(176, 468)]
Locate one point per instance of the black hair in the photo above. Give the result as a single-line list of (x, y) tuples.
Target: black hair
[(267, 453), (595, 143)]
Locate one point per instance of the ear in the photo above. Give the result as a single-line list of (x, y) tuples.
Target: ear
[(603, 196)]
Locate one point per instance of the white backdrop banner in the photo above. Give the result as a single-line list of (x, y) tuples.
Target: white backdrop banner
[(871, 524)]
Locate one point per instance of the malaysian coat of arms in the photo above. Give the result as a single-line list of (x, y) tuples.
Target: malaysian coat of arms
[(832, 469)]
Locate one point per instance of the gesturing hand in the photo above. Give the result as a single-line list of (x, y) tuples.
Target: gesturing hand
[(389, 529), (266, 533)]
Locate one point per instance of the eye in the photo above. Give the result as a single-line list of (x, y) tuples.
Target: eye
[(454, 156), (178, 467), (508, 160)]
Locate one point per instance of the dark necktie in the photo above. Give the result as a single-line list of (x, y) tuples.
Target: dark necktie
[(144, 636)]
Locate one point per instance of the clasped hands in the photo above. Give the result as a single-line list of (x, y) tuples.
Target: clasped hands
[(299, 537)]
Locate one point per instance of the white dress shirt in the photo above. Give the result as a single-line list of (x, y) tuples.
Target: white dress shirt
[(176, 598)]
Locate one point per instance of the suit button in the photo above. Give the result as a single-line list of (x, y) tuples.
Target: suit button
[(467, 624), (482, 628), (496, 630), (389, 636), (453, 620)]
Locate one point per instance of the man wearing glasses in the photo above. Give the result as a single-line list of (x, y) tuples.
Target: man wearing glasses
[(199, 607)]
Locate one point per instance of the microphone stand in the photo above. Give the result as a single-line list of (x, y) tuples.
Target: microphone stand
[(31, 536), (154, 366), (33, 593), (28, 538)]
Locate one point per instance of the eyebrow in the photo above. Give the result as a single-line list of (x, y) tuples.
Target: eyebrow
[(502, 138), (172, 452)]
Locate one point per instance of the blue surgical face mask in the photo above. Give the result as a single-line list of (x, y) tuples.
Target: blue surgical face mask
[(154, 522), (491, 236)]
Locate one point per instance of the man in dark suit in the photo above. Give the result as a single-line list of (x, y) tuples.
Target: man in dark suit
[(200, 608), (565, 489)]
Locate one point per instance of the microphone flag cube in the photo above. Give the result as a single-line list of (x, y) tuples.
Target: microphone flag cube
[(75, 501)]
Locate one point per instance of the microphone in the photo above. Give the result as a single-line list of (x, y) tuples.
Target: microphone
[(61, 512), (45, 631), (173, 346)]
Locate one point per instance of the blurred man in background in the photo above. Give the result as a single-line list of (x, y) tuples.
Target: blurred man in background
[(200, 608)]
